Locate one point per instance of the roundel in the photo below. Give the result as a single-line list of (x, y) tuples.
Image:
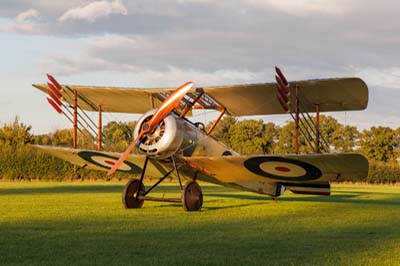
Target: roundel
[(282, 168), (107, 161)]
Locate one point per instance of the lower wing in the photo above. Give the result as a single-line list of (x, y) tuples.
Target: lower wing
[(303, 174), (103, 161)]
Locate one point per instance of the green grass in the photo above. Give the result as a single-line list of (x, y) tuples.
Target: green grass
[(43, 223)]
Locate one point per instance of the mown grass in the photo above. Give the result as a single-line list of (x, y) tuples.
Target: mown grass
[(84, 223)]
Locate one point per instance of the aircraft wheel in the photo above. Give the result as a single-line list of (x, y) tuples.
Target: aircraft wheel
[(129, 194), (192, 197)]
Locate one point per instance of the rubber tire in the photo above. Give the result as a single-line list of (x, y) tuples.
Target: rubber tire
[(192, 197), (128, 195)]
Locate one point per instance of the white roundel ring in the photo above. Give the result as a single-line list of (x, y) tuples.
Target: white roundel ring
[(107, 161), (282, 168)]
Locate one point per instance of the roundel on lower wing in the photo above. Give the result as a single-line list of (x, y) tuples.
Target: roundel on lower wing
[(282, 168), (107, 161)]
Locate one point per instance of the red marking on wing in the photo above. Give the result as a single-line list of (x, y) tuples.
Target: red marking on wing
[(282, 169), (109, 162), (54, 81), (55, 106)]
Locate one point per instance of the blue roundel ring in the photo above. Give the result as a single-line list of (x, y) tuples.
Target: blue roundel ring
[(88, 156), (311, 172)]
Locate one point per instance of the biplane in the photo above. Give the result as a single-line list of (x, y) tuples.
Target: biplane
[(168, 144)]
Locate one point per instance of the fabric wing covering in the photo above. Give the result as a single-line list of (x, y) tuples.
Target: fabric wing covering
[(339, 94)]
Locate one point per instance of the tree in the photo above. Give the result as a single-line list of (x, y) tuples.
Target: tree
[(285, 143), (344, 138), (397, 148), (63, 137), (15, 133), (247, 137), (270, 134), (118, 135), (221, 131), (329, 128), (44, 139), (379, 143)]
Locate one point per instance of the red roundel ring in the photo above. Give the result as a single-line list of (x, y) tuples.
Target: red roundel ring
[(107, 161), (282, 168)]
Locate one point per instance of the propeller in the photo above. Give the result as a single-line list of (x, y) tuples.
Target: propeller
[(169, 104)]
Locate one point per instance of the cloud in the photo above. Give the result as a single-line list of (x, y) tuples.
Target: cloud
[(27, 15), (111, 41), (94, 11), (66, 65), (380, 77), (368, 119), (25, 22), (305, 7)]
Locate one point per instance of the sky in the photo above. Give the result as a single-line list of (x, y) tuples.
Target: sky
[(157, 43)]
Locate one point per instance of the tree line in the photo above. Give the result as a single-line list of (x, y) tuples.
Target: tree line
[(253, 137), (381, 145)]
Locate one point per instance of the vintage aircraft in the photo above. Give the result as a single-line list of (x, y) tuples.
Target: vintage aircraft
[(167, 142)]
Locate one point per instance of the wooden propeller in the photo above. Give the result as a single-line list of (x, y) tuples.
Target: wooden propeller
[(167, 106)]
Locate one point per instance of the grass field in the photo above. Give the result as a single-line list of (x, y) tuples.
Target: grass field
[(85, 224)]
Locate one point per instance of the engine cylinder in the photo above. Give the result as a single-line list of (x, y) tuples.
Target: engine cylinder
[(166, 138)]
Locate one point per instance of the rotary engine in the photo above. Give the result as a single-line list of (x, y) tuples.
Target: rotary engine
[(172, 135)]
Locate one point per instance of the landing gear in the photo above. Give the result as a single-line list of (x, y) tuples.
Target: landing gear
[(130, 196), (135, 194), (192, 197)]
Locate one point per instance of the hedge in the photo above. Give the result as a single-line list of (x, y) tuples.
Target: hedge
[(27, 163)]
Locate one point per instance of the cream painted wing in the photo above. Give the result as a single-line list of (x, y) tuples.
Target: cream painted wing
[(305, 168), (338, 94), (103, 161)]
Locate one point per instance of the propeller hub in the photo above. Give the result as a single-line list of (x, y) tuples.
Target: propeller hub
[(145, 127)]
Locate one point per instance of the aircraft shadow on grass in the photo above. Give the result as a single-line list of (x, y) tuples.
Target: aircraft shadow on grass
[(109, 188), (356, 197), (213, 208), (62, 189), (343, 197)]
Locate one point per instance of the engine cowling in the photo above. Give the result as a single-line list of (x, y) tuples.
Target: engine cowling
[(167, 138)]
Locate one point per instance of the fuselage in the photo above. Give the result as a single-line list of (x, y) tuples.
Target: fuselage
[(179, 137)]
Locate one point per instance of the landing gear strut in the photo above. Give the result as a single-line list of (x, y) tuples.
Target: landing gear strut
[(135, 194)]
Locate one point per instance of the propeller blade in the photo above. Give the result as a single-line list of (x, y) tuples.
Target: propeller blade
[(167, 106), (121, 159), (170, 104)]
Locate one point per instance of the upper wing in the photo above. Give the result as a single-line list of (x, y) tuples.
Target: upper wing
[(103, 161), (338, 94), (304, 168), (111, 99), (251, 99)]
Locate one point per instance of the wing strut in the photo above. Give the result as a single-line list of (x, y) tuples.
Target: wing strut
[(216, 121), (290, 98), (80, 122)]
